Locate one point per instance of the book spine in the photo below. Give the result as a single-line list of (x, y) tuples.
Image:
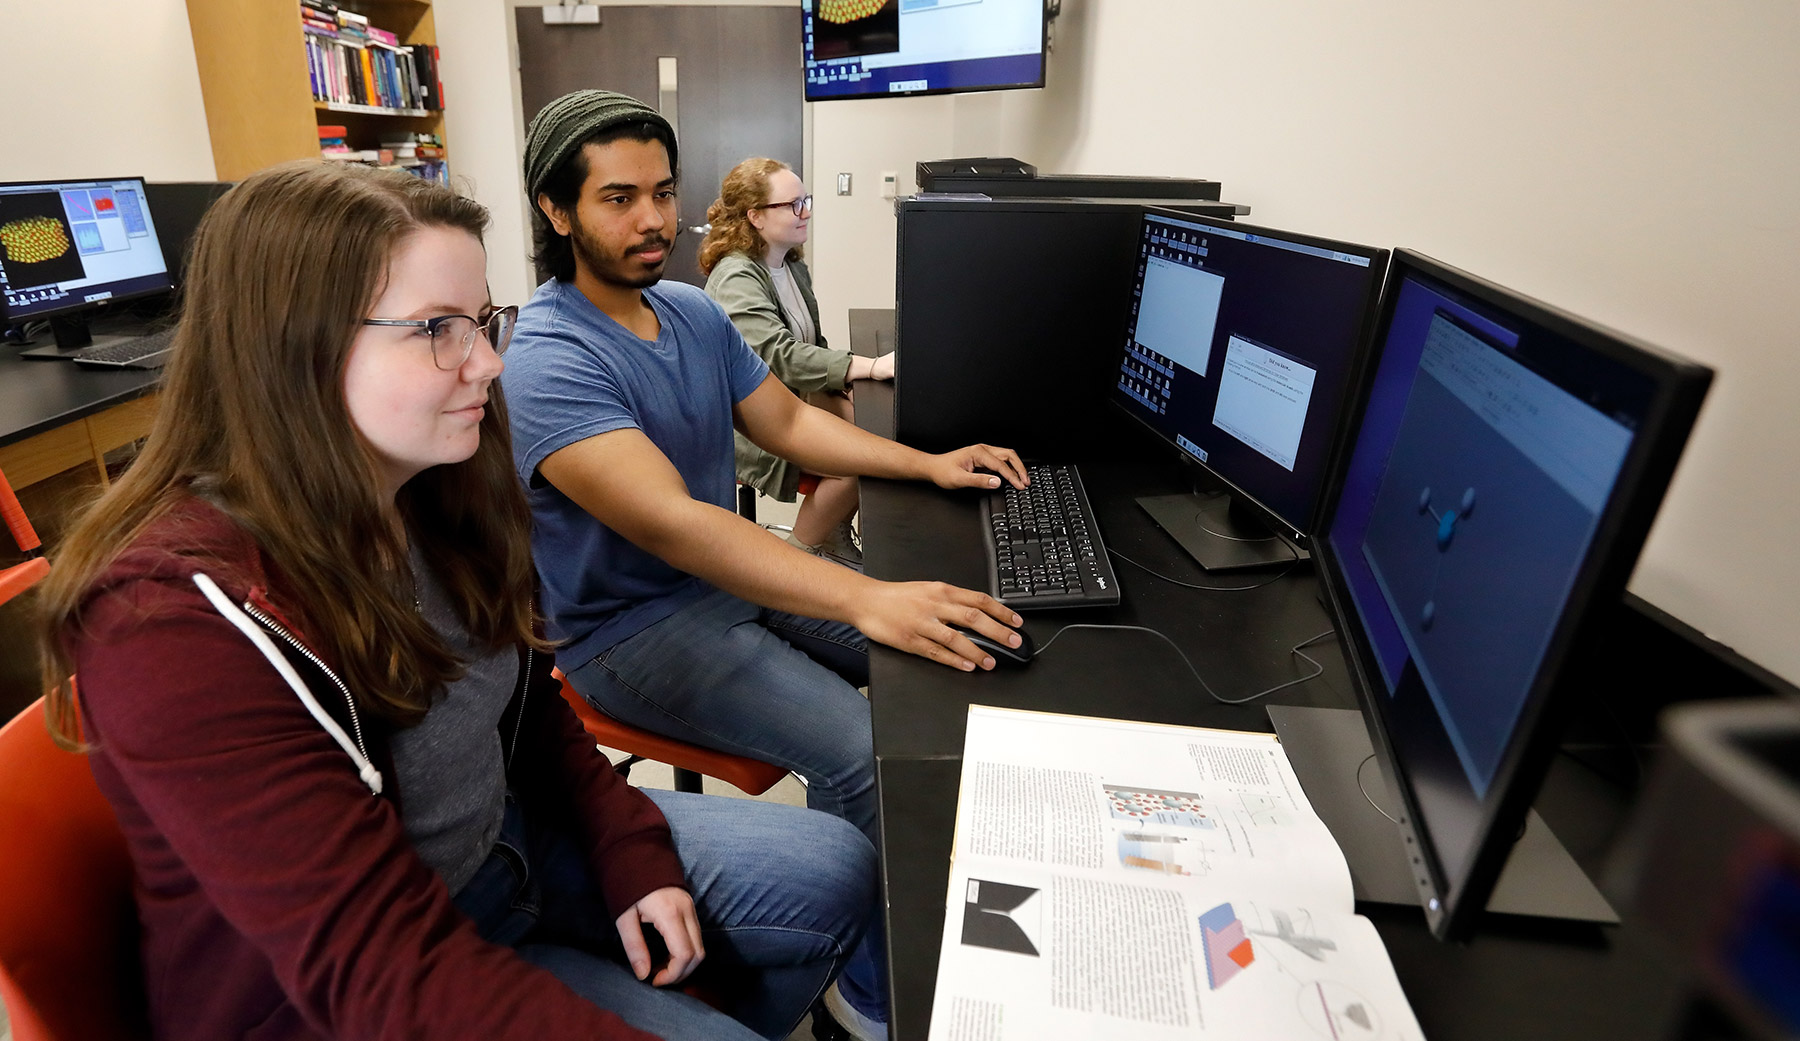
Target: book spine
[(368, 78), (427, 92)]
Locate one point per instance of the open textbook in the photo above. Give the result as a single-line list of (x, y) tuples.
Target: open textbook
[(1129, 880)]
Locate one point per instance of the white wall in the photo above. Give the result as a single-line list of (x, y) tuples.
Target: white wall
[(851, 252), (103, 88), (485, 132)]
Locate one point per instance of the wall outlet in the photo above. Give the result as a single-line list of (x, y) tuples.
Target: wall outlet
[(890, 184), (843, 184)]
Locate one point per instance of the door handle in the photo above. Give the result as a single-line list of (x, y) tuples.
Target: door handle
[(701, 229)]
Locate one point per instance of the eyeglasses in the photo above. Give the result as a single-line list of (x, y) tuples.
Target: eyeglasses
[(799, 205), (453, 335)]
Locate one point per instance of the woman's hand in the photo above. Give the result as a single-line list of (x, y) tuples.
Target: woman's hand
[(670, 911), (881, 368)]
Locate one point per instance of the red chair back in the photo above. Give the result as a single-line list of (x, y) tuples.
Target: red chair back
[(69, 965), (750, 775), (22, 576)]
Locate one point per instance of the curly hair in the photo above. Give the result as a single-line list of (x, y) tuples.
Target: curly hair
[(746, 188)]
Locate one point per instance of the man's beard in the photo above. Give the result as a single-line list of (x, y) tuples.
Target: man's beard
[(615, 269)]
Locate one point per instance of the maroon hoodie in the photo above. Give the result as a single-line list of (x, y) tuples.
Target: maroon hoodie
[(279, 897)]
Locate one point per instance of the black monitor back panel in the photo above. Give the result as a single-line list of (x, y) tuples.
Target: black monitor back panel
[(1008, 313), (177, 207)]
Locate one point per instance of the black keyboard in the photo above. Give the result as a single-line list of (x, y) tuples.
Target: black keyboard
[(1044, 548), (142, 352)]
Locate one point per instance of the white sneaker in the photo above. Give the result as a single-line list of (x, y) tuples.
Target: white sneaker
[(842, 546), (829, 550), (857, 1025)]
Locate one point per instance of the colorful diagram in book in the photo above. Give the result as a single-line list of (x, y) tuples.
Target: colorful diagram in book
[(1151, 851), (1224, 947), (1002, 917), (1153, 806)]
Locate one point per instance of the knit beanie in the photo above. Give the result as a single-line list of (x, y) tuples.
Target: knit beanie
[(561, 126)]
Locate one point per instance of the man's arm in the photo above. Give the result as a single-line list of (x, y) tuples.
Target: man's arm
[(820, 442), (626, 482)]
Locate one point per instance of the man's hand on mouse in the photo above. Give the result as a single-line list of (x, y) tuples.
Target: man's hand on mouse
[(917, 617), (963, 468)]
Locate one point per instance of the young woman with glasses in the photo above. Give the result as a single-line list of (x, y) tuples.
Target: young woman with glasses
[(752, 257), (313, 690)]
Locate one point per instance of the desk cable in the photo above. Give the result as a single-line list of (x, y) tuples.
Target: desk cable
[(1370, 799), (1278, 576), (1297, 650)]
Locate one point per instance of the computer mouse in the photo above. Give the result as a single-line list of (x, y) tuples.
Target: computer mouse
[(1017, 657)]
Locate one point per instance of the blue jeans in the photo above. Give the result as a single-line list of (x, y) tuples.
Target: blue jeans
[(725, 674), (781, 893)]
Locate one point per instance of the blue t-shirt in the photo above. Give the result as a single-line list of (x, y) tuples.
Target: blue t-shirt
[(574, 373)]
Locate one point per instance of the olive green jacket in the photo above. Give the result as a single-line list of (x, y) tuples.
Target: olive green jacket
[(744, 287)]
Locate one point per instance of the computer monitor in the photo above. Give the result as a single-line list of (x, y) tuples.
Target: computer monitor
[(900, 48), (1504, 469), (176, 207), (1242, 346), (67, 247)]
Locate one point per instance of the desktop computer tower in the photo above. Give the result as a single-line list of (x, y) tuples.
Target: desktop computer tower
[(1008, 318)]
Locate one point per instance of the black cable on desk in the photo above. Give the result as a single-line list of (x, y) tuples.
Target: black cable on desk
[(1297, 649), (1278, 576)]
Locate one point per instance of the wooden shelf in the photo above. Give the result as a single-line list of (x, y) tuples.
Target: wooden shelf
[(373, 110), (258, 91)]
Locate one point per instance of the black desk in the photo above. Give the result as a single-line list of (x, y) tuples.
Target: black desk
[(1516, 979), (54, 415)]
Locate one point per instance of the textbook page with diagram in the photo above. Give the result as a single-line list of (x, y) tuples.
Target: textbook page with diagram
[(1113, 879)]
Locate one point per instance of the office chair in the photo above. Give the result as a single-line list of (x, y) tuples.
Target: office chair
[(746, 500), (689, 761), (69, 966), (29, 572)]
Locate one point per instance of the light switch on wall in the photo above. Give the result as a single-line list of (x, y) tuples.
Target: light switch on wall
[(843, 184)]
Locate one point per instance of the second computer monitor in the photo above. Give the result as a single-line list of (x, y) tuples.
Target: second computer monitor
[(1242, 347)]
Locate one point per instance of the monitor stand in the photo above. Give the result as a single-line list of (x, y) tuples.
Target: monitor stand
[(1327, 746), (73, 336), (1219, 536)]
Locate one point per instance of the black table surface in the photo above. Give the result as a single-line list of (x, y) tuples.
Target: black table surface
[(40, 395), (1515, 978)]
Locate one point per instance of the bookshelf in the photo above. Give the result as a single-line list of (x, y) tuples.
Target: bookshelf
[(257, 89)]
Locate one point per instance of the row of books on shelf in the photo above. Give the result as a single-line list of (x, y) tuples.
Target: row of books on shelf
[(353, 62), (421, 154)]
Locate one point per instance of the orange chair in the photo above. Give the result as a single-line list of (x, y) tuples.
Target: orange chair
[(21, 576), (746, 500), (689, 761), (68, 925)]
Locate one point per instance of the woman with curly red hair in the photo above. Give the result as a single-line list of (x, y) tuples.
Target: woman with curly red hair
[(752, 257)]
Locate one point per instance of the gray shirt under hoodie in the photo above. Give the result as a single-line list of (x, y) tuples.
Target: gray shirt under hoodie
[(451, 768)]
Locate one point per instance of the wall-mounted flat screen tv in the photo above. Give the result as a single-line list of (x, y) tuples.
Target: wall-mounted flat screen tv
[(895, 48)]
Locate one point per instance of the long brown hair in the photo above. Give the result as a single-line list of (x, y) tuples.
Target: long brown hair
[(284, 268), (746, 188)]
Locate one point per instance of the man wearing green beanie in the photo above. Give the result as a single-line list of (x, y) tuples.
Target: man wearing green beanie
[(675, 614)]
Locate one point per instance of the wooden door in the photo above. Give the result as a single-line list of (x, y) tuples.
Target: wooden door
[(737, 79)]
